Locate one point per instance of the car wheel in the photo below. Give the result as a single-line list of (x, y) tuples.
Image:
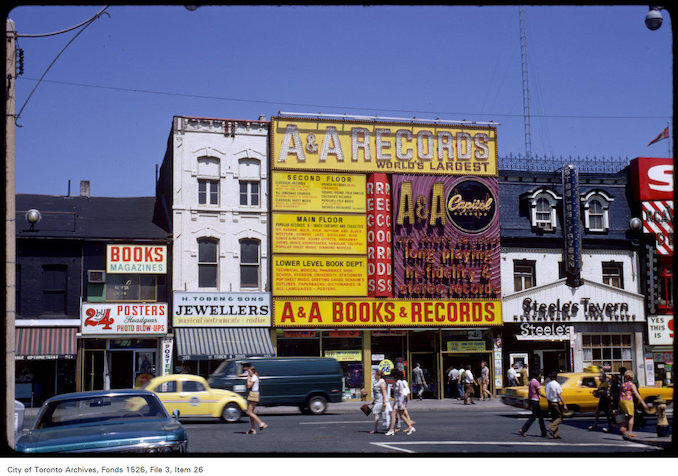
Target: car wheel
[(231, 413), (317, 405), (650, 405)]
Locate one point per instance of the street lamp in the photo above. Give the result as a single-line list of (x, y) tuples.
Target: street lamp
[(33, 216), (653, 19)]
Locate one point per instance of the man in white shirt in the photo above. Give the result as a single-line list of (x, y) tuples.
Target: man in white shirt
[(452, 378), (512, 376), (556, 403), (469, 382)]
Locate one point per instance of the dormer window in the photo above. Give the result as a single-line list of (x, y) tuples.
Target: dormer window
[(596, 204), (543, 205)]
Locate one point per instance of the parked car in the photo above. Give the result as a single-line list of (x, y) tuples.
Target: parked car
[(194, 398), (112, 421), (579, 393), (307, 382)]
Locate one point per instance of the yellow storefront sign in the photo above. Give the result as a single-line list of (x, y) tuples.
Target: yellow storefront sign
[(389, 147), (375, 313), (345, 355), (315, 192), (303, 275), (318, 233)]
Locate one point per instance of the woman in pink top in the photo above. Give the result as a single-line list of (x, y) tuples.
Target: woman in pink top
[(628, 390)]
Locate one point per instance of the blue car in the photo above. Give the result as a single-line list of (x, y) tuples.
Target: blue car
[(112, 421)]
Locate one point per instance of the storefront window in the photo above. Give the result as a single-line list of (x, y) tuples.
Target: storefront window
[(608, 352), (298, 343)]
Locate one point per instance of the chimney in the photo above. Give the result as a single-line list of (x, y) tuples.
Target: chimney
[(84, 188)]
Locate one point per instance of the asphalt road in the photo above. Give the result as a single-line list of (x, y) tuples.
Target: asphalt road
[(442, 428)]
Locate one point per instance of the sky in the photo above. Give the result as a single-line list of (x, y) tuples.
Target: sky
[(600, 83)]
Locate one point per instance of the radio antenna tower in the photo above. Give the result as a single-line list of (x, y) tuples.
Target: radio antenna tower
[(526, 88)]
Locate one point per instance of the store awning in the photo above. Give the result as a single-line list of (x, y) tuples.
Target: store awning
[(45, 343), (214, 343)]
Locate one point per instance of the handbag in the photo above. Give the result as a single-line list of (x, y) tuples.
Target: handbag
[(365, 408)]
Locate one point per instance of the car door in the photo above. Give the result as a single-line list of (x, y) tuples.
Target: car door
[(167, 392), (195, 398)]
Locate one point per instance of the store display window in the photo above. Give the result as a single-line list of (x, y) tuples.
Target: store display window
[(609, 352)]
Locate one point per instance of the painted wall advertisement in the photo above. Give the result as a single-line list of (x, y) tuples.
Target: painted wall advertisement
[(205, 309), (425, 240), (124, 319)]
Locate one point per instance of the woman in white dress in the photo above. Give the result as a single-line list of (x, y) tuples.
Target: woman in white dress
[(381, 406), (400, 392)]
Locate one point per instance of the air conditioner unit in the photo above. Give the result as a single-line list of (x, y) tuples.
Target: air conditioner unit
[(545, 225), (96, 276)]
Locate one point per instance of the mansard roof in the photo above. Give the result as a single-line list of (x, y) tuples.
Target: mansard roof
[(88, 218), (516, 186)]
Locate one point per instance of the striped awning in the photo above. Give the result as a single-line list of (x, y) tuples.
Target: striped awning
[(38, 343), (214, 343)]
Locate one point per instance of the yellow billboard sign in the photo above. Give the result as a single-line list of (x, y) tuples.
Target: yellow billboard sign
[(389, 147), (314, 192), (319, 233), (376, 313), (303, 275)]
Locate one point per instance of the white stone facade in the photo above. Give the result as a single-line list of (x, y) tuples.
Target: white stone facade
[(230, 159)]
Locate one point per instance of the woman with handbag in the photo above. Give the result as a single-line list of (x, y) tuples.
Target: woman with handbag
[(380, 405), (252, 400)]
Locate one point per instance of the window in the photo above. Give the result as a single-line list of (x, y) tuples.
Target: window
[(207, 263), (208, 192), (166, 387), (208, 181), (249, 194), (54, 280), (131, 287), (607, 351), (613, 274), (249, 263), (523, 275), (596, 204), (191, 386), (543, 204), (665, 286)]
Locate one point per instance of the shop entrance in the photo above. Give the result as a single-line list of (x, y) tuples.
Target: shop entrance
[(460, 360), (429, 365), (93, 370), (121, 369), (553, 360)]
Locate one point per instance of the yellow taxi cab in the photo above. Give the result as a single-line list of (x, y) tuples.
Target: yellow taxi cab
[(579, 393), (194, 398)]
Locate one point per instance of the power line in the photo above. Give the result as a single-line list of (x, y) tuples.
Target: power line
[(358, 108)]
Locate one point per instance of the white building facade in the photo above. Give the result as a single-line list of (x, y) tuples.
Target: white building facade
[(212, 193)]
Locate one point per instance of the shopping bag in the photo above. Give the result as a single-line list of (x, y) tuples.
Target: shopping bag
[(365, 408)]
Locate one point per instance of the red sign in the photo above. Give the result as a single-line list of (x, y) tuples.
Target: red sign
[(652, 178), (379, 237)]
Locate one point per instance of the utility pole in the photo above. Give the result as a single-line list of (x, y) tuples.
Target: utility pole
[(10, 230)]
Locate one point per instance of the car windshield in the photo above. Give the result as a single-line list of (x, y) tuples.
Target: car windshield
[(98, 409), (561, 380)]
